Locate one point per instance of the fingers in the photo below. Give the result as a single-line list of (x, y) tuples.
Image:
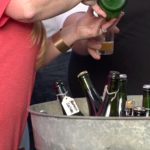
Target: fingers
[(108, 24), (99, 11), (94, 54), (95, 7), (119, 18), (115, 29), (91, 24), (94, 44), (102, 31), (90, 9), (113, 22)]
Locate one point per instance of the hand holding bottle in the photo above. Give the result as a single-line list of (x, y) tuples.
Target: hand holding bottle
[(107, 46), (113, 9), (96, 8), (87, 27)]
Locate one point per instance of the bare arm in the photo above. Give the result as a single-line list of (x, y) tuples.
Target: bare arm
[(32, 10), (80, 26), (92, 44)]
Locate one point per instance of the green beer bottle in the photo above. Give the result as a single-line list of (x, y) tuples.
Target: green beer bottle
[(112, 8), (93, 98), (146, 98), (122, 94), (109, 106)]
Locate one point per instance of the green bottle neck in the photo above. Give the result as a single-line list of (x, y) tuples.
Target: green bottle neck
[(61, 91), (113, 85), (86, 82), (123, 87), (89, 88), (146, 95)]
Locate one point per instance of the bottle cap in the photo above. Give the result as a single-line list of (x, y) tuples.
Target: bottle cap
[(113, 74), (82, 73), (146, 86), (57, 84), (123, 77)]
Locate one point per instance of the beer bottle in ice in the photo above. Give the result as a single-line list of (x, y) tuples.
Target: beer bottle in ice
[(68, 104), (109, 106), (146, 98), (122, 94), (93, 98)]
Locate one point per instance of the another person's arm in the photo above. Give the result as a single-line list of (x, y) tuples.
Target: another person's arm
[(81, 26), (91, 45)]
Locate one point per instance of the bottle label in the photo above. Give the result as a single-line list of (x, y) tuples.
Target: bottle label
[(69, 106), (114, 95)]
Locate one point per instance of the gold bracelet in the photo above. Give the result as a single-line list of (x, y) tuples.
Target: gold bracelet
[(59, 42)]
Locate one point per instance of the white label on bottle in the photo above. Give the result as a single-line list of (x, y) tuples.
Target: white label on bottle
[(69, 106)]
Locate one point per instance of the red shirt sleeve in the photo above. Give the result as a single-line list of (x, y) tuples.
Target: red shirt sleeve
[(3, 17)]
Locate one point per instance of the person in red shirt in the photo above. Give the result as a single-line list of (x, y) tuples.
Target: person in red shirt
[(23, 45)]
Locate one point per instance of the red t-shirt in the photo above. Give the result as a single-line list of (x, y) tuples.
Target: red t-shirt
[(17, 73)]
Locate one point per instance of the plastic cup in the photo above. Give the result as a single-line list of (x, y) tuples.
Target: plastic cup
[(108, 44)]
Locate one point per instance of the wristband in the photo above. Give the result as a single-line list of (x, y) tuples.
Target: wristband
[(59, 42)]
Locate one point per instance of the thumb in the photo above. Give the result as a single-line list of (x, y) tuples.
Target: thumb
[(98, 10), (94, 53)]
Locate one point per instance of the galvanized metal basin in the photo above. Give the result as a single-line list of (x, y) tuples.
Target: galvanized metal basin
[(53, 131)]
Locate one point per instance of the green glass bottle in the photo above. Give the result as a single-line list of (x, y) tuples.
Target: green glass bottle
[(62, 95), (146, 98), (122, 94), (93, 98), (112, 8), (109, 106)]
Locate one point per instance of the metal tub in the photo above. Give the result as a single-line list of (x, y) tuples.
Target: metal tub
[(53, 131)]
